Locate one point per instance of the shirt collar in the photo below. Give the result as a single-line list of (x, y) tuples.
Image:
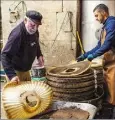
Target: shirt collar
[(25, 28), (105, 22)]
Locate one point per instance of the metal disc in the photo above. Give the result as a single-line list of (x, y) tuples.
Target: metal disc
[(26, 99)]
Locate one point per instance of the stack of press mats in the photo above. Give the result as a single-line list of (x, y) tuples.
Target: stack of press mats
[(74, 82)]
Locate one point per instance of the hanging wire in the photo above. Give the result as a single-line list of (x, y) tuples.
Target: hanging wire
[(59, 30), (71, 26), (23, 5), (13, 8), (11, 5), (79, 40)]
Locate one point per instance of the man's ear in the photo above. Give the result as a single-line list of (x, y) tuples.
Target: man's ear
[(25, 20), (103, 12)]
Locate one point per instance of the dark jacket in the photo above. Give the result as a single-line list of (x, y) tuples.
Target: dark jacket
[(109, 43), (20, 51)]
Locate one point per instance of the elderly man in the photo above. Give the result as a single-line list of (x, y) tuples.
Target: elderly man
[(106, 46), (22, 47)]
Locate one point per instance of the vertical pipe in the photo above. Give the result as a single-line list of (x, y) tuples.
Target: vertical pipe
[(78, 26), (62, 5), (1, 44), (0, 22)]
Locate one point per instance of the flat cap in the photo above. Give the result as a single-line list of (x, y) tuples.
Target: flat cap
[(34, 15)]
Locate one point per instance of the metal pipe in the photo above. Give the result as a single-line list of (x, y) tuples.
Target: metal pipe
[(0, 23), (1, 38), (62, 5), (78, 26)]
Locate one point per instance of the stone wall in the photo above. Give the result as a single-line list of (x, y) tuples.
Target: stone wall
[(56, 32)]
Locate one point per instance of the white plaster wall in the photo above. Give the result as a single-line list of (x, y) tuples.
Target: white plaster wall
[(63, 50), (89, 24)]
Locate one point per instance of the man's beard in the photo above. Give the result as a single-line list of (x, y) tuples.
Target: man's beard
[(30, 31)]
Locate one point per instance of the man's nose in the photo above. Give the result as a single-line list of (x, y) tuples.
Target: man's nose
[(33, 26)]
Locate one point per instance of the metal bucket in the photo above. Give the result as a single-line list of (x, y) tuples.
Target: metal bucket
[(38, 72)]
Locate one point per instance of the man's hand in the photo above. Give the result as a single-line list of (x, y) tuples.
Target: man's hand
[(81, 58), (15, 79), (40, 61), (90, 57)]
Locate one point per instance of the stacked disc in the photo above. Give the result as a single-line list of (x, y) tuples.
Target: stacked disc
[(98, 71), (73, 82)]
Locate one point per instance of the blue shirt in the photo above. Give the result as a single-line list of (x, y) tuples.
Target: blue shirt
[(109, 43)]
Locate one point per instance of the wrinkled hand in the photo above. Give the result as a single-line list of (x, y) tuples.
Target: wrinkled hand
[(90, 57), (15, 79), (40, 61), (81, 58)]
